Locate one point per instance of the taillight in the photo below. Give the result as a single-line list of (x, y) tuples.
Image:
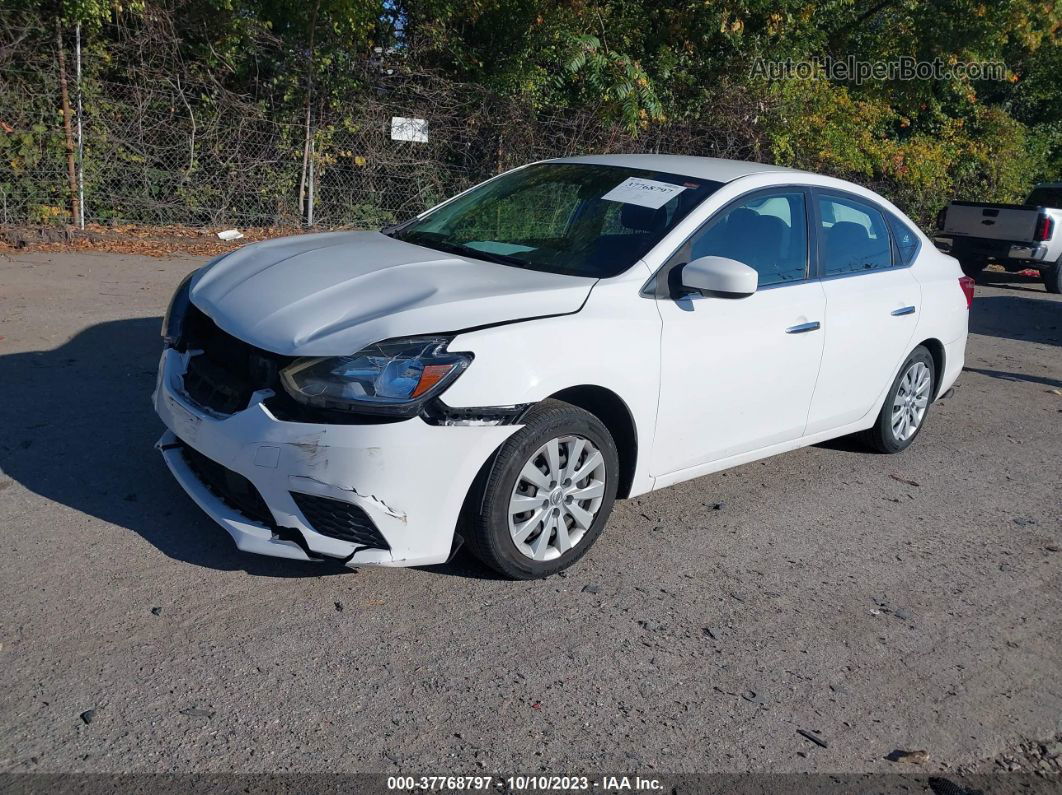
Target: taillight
[(1045, 227), (967, 285)]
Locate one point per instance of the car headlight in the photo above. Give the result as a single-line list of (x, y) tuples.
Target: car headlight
[(392, 377), (173, 320)]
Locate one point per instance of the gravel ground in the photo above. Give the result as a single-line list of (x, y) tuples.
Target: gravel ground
[(877, 603)]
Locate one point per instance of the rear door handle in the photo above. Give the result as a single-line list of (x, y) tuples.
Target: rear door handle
[(903, 310), (803, 328)]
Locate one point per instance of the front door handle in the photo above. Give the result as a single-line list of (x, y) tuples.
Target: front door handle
[(803, 328), (903, 310)]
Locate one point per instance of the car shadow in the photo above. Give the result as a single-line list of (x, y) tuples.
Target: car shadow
[(465, 566), (79, 429), (1019, 282), (1005, 376), (1018, 318), (848, 444)]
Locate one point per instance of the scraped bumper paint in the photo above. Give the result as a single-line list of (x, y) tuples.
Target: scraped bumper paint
[(410, 478)]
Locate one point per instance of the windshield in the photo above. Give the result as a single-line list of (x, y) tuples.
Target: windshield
[(573, 218), (1046, 197)]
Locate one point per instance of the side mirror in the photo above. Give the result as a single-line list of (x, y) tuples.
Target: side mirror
[(720, 275)]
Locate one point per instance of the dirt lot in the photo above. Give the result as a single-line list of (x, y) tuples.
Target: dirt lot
[(881, 603)]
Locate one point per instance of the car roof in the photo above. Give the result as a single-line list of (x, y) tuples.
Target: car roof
[(713, 168), (1048, 185)]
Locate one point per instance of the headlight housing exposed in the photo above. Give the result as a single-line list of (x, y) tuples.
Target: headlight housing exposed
[(391, 377), (173, 320)]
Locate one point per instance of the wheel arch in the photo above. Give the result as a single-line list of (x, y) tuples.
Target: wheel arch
[(936, 350), (613, 411)]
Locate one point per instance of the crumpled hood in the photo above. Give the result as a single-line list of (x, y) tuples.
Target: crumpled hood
[(332, 294)]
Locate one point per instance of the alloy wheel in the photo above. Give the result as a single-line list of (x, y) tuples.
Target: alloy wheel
[(911, 402)]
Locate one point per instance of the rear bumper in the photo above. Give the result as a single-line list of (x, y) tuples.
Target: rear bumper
[(1030, 254), (410, 478), (954, 361)]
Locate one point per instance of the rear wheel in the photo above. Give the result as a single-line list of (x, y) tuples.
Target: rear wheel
[(906, 405), (1053, 278), (548, 494)]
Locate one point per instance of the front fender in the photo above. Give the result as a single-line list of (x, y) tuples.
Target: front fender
[(613, 342)]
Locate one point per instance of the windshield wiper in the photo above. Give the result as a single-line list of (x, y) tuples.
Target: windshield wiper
[(492, 256), (466, 251)]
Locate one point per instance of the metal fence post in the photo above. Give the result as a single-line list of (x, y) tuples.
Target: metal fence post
[(80, 138), (310, 188)]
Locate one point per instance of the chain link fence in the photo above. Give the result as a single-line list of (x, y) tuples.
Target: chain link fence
[(159, 149), (163, 153)]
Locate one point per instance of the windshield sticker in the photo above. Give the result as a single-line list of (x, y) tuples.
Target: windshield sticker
[(643, 192)]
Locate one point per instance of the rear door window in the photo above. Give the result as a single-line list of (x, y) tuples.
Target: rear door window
[(854, 237)]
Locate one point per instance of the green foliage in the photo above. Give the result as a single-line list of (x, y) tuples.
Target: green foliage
[(641, 63), (607, 74), (92, 14), (27, 155), (821, 127), (613, 79)]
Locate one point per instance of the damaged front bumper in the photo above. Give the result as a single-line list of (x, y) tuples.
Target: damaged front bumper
[(407, 478)]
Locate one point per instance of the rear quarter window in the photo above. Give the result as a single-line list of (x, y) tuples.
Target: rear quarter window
[(907, 242)]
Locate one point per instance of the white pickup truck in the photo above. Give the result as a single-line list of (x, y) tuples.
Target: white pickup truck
[(1017, 236)]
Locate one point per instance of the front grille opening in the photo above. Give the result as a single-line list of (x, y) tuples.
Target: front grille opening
[(214, 387), (232, 488), (228, 371), (341, 520)]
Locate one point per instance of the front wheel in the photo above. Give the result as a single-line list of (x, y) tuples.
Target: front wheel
[(547, 495), (906, 405), (1053, 278)]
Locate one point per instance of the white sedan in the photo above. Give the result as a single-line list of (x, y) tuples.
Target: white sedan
[(501, 368)]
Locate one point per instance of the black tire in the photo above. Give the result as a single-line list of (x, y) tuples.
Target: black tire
[(486, 525), (1053, 278), (973, 267), (881, 436)]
